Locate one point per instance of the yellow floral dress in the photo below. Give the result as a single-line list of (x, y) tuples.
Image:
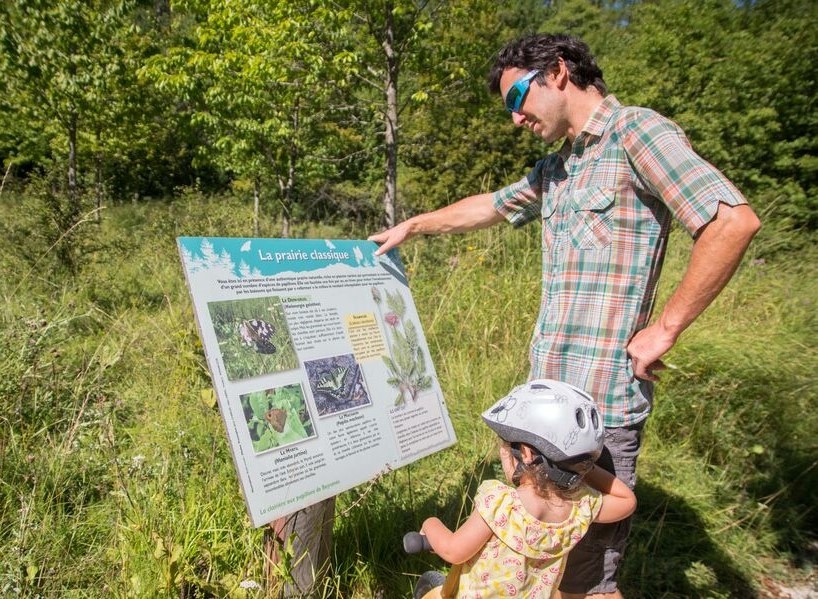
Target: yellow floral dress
[(525, 557)]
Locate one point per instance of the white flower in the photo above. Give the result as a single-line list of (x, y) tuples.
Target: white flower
[(249, 584)]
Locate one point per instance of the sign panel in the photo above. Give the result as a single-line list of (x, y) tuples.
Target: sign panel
[(320, 366)]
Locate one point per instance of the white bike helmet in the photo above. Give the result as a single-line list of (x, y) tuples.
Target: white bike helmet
[(557, 419)]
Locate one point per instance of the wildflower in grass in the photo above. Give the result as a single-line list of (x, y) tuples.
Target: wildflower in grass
[(249, 584)]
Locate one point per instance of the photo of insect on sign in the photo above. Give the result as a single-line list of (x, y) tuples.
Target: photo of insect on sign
[(319, 363)]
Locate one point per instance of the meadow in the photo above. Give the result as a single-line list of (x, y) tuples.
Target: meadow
[(116, 477)]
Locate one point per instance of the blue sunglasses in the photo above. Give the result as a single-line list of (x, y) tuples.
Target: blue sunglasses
[(516, 95)]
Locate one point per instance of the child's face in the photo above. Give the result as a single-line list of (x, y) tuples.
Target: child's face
[(507, 460)]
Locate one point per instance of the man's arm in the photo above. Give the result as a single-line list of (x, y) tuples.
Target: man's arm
[(468, 214), (717, 252)]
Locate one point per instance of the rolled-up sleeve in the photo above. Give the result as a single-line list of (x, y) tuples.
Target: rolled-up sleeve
[(672, 171), (521, 202)]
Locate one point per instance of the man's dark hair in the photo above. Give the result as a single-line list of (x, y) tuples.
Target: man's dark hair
[(542, 51)]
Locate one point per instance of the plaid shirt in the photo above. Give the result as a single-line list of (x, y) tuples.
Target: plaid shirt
[(606, 203)]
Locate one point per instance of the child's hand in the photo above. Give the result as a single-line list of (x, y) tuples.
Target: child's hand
[(507, 461)]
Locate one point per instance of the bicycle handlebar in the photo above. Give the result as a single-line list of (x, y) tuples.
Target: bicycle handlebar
[(414, 542)]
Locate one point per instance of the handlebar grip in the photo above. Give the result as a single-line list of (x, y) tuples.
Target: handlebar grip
[(414, 542)]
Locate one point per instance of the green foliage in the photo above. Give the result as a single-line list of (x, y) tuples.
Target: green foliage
[(245, 70), (706, 75), (118, 479), (289, 97), (110, 442), (59, 60), (49, 232), (460, 140)]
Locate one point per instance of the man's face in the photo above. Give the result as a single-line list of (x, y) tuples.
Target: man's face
[(543, 108)]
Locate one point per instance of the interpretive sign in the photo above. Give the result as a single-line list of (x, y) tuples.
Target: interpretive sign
[(319, 363)]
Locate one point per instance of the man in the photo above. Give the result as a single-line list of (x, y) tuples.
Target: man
[(606, 200)]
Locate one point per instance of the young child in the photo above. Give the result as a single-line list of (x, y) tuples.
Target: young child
[(515, 541)]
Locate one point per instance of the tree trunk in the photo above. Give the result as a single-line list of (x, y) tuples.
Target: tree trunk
[(288, 187), (256, 193), (6, 176), (391, 138), (98, 180), (73, 192), (161, 11)]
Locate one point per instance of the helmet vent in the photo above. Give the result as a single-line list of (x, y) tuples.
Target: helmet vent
[(539, 387), (580, 417), (594, 418)]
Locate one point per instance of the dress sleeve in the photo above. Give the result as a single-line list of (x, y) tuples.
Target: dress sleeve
[(672, 171), (586, 510), (521, 202), (494, 501)]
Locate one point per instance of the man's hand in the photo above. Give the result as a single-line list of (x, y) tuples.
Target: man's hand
[(646, 348), (716, 254), (392, 237)]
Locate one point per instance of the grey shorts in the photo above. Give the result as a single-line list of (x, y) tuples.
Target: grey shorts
[(591, 566)]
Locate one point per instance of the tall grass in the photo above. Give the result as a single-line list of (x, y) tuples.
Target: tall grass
[(116, 478)]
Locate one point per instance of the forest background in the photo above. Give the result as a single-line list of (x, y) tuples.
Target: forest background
[(125, 123)]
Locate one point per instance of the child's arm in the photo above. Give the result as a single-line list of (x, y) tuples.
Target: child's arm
[(618, 501), (458, 546)]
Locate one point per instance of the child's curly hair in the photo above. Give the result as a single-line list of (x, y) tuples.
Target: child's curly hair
[(536, 475)]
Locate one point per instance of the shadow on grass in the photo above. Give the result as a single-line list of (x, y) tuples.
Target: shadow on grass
[(788, 485), (670, 553)]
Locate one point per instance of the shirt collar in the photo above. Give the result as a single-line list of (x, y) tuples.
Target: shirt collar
[(596, 123), (601, 116)]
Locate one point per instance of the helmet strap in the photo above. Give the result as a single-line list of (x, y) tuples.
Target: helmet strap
[(518, 469), (563, 479)]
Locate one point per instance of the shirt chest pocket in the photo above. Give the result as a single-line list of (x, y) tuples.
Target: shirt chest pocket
[(590, 217)]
